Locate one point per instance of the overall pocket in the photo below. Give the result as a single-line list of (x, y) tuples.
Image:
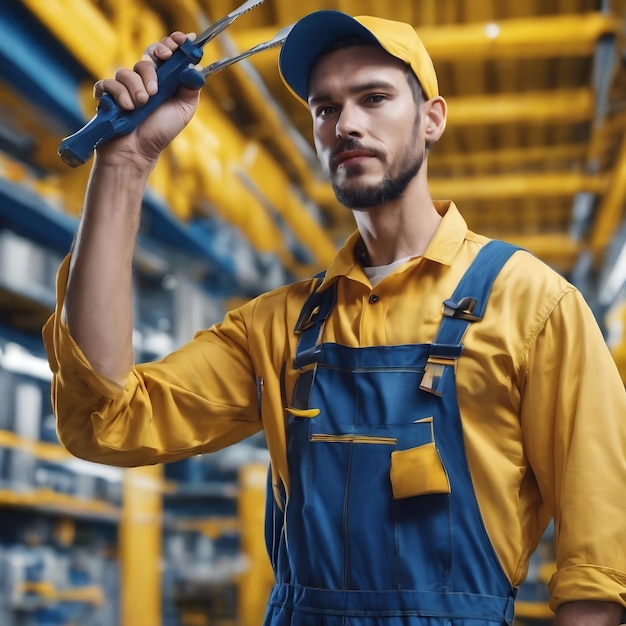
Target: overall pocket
[(418, 470)]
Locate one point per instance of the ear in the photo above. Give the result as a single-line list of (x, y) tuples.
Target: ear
[(435, 112)]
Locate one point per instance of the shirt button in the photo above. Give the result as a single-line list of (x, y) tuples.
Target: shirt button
[(374, 298)]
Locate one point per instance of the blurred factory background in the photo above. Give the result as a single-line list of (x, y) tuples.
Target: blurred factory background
[(535, 153)]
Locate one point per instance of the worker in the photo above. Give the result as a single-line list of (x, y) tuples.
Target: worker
[(429, 403)]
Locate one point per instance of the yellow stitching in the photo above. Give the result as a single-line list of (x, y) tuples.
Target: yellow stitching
[(353, 439)]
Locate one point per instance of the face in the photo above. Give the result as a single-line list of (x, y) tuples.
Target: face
[(366, 125)]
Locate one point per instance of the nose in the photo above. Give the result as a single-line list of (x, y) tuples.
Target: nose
[(348, 123)]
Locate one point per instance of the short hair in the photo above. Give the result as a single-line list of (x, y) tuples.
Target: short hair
[(351, 41)]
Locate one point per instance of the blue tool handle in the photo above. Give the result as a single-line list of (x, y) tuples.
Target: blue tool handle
[(111, 121)]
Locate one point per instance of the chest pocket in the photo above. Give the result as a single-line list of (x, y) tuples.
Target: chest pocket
[(418, 471), (409, 452)]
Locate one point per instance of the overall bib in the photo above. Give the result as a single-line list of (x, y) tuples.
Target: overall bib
[(381, 526)]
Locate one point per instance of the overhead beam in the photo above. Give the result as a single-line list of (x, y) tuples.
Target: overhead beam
[(525, 38), (516, 186), (518, 157), (561, 106)]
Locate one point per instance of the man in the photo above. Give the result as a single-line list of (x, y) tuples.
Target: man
[(416, 456)]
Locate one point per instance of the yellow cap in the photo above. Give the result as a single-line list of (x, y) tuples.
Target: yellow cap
[(315, 32)]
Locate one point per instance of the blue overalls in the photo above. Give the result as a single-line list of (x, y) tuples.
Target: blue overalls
[(382, 526)]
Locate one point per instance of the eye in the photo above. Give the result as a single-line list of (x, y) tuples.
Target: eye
[(326, 110), (375, 98)]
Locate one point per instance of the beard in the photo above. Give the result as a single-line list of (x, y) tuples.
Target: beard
[(394, 183), (390, 188)]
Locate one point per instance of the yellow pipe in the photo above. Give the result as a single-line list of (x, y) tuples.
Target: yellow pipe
[(91, 38), (518, 157), (529, 38), (516, 186), (562, 106)]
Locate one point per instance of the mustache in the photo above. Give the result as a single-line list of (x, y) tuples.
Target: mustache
[(350, 145)]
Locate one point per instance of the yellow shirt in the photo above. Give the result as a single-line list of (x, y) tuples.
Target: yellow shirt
[(542, 404)]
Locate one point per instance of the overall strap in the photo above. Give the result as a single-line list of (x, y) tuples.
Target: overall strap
[(310, 326), (467, 305), (311, 322)]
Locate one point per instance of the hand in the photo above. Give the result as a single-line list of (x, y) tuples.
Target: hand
[(133, 88)]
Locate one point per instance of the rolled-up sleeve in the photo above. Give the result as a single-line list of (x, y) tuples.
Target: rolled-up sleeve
[(200, 398), (574, 425)]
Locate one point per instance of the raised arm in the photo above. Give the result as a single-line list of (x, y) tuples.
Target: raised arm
[(98, 305)]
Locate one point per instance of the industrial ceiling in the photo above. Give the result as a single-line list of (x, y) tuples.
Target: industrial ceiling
[(535, 148), (534, 152)]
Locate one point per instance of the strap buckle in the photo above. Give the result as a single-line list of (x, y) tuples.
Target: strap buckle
[(463, 309)]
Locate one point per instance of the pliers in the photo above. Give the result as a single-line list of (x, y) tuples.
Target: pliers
[(111, 121)]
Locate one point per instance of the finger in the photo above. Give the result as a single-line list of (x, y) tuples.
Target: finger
[(158, 53), (140, 83), (178, 37), (126, 88), (146, 70), (114, 89), (98, 89), (132, 87), (162, 50)]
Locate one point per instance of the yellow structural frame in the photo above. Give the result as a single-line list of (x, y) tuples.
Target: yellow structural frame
[(140, 547)]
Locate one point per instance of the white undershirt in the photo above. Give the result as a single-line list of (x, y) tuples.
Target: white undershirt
[(376, 274)]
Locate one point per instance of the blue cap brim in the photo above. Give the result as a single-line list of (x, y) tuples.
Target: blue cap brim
[(308, 39)]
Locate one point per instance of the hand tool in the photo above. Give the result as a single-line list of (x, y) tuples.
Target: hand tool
[(111, 121), (218, 66)]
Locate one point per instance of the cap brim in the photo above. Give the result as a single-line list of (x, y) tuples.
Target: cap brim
[(308, 39)]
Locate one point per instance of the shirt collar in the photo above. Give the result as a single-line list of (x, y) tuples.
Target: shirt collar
[(442, 248), (449, 236)]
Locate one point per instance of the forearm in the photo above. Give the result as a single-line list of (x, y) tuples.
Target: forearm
[(98, 303), (588, 613)]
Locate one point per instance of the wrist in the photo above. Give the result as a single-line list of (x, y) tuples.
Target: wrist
[(132, 162), (115, 193)]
